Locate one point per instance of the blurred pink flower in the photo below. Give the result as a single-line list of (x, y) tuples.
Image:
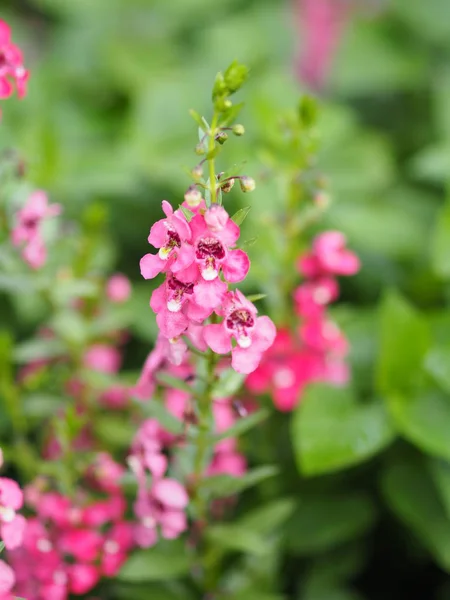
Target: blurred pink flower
[(118, 288), (11, 65)]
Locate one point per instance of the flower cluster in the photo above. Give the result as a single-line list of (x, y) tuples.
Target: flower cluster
[(11, 65), (12, 527), (316, 349), (200, 260), (161, 500), (27, 232), (71, 543)]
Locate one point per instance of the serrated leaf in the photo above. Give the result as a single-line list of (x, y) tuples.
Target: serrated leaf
[(240, 215)]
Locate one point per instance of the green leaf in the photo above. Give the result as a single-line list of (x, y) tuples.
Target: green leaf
[(440, 243), (424, 419), (243, 424), (157, 410), (174, 382), (240, 215), (114, 430), (229, 115), (323, 522), (41, 405), (199, 120), (236, 538), (188, 214), (269, 517), (167, 560), (308, 111), (256, 297), (228, 384), (222, 486), (437, 363), (409, 490), (38, 349), (331, 431), (233, 171), (404, 340), (440, 472)]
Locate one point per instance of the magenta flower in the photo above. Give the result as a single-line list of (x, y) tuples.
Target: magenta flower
[(170, 236), (213, 235), (102, 358), (329, 257), (7, 580), (146, 452), (119, 541), (11, 65), (312, 297), (161, 507), (12, 525), (27, 231), (253, 335), (118, 288)]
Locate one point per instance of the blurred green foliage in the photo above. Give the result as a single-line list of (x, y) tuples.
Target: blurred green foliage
[(361, 505)]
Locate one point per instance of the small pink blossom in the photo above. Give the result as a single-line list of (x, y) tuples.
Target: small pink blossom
[(102, 358), (312, 297), (12, 525), (161, 507), (170, 236), (7, 579), (27, 231), (11, 65), (118, 288), (253, 335), (329, 256)]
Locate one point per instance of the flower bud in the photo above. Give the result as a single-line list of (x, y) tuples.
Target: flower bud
[(227, 185), (222, 137), (238, 129), (247, 184), (199, 149), (193, 196), (197, 172)]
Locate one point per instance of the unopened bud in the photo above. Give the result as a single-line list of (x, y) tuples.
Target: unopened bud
[(238, 129), (222, 137), (247, 184), (197, 172), (199, 149), (193, 196), (227, 185)]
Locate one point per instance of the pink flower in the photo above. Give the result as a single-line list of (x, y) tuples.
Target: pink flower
[(213, 235), (253, 335), (11, 65), (146, 452), (312, 297), (321, 22), (329, 257), (170, 236), (118, 288), (228, 463), (27, 231), (102, 358), (82, 578), (115, 397), (7, 579), (12, 525), (119, 541), (324, 335), (161, 507)]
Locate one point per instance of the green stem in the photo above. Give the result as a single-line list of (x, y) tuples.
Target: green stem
[(211, 146)]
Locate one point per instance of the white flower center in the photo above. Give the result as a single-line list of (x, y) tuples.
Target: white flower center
[(244, 341), (174, 305), (111, 547), (322, 295), (7, 514), (149, 522), (44, 545)]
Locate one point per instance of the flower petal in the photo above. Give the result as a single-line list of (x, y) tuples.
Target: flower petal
[(170, 493), (151, 265), (217, 338), (236, 266), (210, 293)]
